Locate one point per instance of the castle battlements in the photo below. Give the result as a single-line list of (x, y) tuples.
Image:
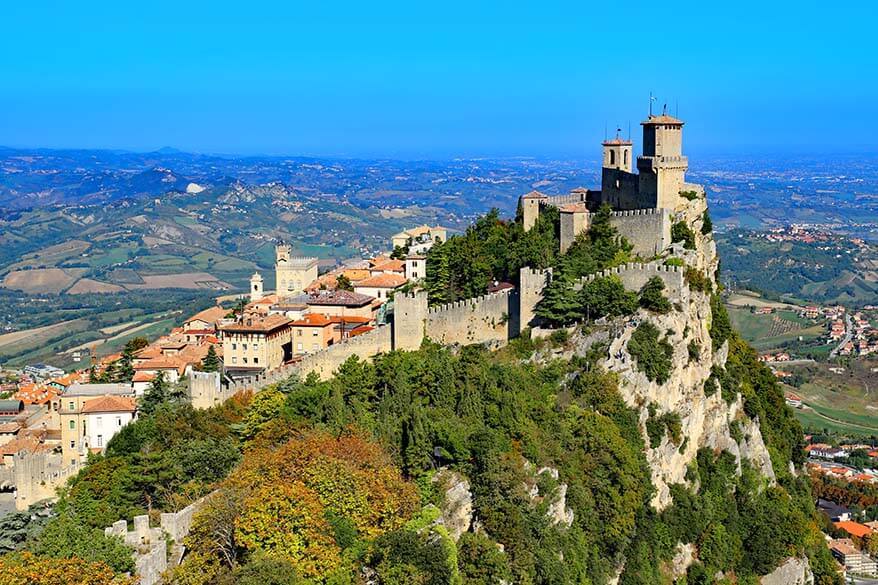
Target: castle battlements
[(473, 302)]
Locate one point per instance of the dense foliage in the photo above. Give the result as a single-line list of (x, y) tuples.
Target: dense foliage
[(652, 354), (26, 569), (164, 460), (491, 249)]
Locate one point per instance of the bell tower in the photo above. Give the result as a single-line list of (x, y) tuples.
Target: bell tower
[(662, 166), (256, 290), (617, 153)]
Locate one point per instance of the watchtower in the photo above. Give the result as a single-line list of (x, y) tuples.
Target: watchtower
[(662, 167), (530, 208)]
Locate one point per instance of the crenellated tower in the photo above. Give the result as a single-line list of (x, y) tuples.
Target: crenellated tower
[(662, 167)]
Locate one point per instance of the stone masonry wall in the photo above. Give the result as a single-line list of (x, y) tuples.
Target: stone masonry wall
[(327, 361), (634, 275), (477, 320), (206, 389), (648, 230)]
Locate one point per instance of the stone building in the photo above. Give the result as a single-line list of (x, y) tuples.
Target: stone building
[(255, 343), (293, 274), (91, 414)]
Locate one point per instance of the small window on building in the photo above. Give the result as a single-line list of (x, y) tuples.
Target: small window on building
[(245, 360), (98, 421), (256, 360), (118, 421), (100, 440), (72, 424), (245, 347), (234, 346), (612, 157), (73, 444), (299, 347), (234, 360), (72, 406), (314, 347), (255, 346), (625, 157)]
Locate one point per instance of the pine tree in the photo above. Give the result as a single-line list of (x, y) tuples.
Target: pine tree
[(211, 361), (438, 278), (560, 305), (157, 394)]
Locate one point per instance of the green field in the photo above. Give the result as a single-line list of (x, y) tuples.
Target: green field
[(774, 330)]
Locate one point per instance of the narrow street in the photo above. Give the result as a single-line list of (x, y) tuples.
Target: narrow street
[(848, 335)]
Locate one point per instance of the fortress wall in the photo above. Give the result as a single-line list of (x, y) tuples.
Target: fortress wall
[(635, 275), (558, 200), (648, 230), (531, 283), (478, 320), (620, 188), (327, 361), (206, 391)]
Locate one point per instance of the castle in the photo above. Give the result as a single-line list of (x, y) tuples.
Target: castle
[(642, 202), (645, 205)]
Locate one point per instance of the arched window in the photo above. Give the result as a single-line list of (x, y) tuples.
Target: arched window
[(612, 157), (625, 155)]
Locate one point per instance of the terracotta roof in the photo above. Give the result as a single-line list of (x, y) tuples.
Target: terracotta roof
[(534, 195), (349, 319), (390, 265), (162, 363), (574, 208), (854, 528), (419, 231), (143, 377), (110, 404), (313, 320), (210, 315), (382, 281), (617, 142), (266, 325), (19, 444), (360, 330), (663, 119)]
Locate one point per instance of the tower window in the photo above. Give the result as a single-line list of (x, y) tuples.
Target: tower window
[(612, 157), (625, 155)]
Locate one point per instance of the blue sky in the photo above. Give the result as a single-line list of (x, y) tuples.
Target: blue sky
[(438, 79)]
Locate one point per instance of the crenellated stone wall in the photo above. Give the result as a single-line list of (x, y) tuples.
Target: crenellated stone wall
[(479, 320), (327, 361), (634, 275), (648, 230)]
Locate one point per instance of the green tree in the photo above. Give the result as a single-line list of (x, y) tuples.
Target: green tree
[(652, 298), (342, 282), (652, 354), (606, 297), (158, 392), (211, 361), (681, 232), (64, 537)]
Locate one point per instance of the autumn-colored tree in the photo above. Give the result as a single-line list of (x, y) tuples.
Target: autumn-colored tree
[(27, 569), (303, 502)]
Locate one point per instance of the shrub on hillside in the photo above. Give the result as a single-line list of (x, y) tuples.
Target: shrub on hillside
[(652, 355)]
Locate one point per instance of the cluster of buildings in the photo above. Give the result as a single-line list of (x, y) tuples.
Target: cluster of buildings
[(852, 542), (308, 312)]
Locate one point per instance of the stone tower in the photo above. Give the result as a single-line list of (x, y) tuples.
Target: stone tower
[(530, 208), (662, 166), (617, 153), (256, 289), (409, 319), (293, 274)]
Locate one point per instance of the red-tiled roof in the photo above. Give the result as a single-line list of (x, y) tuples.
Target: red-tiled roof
[(266, 325), (854, 528), (109, 404), (312, 320), (663, 119), (210, 315), (382, 281)]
